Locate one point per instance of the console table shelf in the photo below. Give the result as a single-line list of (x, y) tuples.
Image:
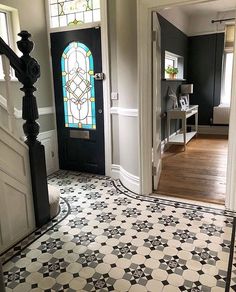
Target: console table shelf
[(183, 137), (179, 138)]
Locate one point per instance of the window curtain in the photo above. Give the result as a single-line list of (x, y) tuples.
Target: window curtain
[(229, 37)]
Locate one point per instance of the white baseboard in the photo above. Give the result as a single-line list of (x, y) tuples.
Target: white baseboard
[(49, 140), (212, 130), (129, 180)]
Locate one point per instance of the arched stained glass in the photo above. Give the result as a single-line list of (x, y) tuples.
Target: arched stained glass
[(78, 86)]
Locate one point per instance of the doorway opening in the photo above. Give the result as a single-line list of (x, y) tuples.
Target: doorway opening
[(194, 100)]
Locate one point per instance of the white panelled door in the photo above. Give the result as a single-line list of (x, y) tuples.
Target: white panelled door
[(156, 95)]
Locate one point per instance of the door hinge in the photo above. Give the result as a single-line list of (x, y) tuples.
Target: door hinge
[(154, 170), (154, 36)]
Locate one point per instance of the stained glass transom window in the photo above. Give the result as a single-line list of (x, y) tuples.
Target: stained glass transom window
[(73, 12), (78, 86)]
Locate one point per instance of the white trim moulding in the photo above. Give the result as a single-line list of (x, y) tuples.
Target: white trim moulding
[(128, 112), (132, 182), (18, 113)]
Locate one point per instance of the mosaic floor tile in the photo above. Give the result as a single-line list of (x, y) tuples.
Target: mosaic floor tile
[(107, 238)]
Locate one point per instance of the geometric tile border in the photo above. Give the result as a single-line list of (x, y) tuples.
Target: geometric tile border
[(107, 238), (18, 247)]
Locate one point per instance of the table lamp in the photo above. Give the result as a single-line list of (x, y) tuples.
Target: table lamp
[(187, 89)]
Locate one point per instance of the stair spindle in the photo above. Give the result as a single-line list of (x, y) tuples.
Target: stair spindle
[(9, 97)]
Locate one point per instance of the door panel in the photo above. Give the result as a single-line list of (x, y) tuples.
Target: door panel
[(76, 57), (156, 57)]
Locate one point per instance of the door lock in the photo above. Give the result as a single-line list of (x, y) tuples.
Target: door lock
[(99, 76), (100, 111)]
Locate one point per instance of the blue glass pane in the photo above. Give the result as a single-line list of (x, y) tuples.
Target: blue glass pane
[(78, 86)]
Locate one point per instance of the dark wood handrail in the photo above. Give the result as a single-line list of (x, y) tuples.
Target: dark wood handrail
[(27, 71), (15, 61)]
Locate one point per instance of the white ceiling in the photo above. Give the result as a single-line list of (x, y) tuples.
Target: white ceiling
[(208, 7)]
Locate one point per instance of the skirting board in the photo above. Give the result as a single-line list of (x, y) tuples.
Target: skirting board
[(212, 130), (129, 180)]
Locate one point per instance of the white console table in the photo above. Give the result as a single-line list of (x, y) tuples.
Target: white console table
[(183, 114)]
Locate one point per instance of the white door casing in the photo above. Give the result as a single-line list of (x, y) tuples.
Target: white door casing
[(106, 70), (231, 163), (156, 79)]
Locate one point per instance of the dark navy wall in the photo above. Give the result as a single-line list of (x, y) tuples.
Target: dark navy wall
[(174, 41), (202, 67), (204, 71)]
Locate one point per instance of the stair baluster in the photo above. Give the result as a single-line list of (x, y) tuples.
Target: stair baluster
[(9, 98)]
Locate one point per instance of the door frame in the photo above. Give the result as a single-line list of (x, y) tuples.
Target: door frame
[(156, 100), (105, 67), (144, 10)]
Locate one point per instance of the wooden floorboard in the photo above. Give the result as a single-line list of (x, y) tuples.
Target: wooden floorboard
[(199, 173)]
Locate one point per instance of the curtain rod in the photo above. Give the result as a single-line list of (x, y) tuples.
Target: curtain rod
[(222, 20)]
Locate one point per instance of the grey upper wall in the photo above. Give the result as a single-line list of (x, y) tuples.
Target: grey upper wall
[(32, 18), (122, 19), (127, 52), (122, 15)]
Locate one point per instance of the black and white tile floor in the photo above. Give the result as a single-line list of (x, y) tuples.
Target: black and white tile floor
[(111, 239)]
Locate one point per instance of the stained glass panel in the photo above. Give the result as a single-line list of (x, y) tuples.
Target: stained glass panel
[(78, 86), (73, 12)]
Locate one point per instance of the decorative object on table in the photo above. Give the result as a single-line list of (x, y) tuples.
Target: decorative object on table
[(186, 100), (173, 97), (172, 72), (183, 102), (187, 89)]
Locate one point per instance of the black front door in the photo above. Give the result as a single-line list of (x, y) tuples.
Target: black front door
[(76, 57)]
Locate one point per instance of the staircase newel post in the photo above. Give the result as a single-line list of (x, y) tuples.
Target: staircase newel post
[(31, 72)]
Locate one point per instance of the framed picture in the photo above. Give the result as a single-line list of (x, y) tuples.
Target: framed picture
[(182, 102), (185, 98)]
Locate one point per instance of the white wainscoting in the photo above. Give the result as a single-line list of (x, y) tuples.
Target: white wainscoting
[(129, 180), (16, 201), (49, 140)]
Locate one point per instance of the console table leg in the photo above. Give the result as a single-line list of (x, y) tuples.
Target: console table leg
[(196, 123), (184, 132)]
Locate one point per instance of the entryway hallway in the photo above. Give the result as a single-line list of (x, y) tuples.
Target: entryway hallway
[(107, 238)]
